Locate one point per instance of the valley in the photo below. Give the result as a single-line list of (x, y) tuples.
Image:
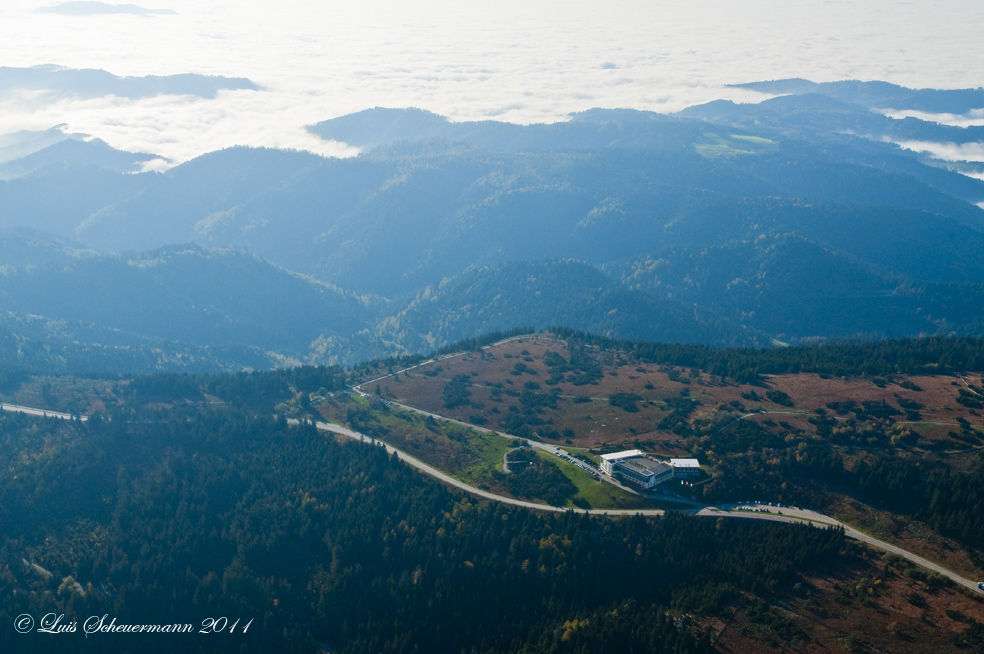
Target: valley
[(724, 225), (905, 601), (707, 381)]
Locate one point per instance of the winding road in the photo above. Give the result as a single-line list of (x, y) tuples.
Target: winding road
[(754, 511), (748, 511), (545, 447), (505, 460)]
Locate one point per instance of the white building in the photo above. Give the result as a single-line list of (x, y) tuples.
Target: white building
[(683, 468), (636, 467), (608, 460)]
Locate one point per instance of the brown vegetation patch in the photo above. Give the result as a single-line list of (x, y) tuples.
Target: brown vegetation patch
[(868, 607), (906, 532), (626, 404), (584, 410)]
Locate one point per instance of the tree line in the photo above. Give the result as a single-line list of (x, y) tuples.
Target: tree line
[(174, 516), (909, 356)]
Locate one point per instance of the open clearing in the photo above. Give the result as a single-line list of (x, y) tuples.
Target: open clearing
[(585, 417)]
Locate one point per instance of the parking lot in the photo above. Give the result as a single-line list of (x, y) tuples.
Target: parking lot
[(587, 467)]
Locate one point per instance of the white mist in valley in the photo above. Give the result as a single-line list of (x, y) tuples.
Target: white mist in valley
[(514, 61)]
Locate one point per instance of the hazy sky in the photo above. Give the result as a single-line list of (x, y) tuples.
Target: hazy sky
[(526, 61)]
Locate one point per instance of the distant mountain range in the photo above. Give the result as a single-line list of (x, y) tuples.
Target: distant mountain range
[(25, 142), (60, 82), (879, 96), (71, 154), (792, 219)]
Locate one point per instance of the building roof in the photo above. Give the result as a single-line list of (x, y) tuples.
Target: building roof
[(685, 463), (643, 465), (627, 454), (638, 465)]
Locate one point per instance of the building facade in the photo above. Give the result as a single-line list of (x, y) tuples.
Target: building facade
[(684, 468), (635, 467)]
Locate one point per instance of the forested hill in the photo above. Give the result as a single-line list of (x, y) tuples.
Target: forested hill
[(873, 358), (551, 293), (170, 518), (879, 95), (876, 359), (794, 219), (185, 497)]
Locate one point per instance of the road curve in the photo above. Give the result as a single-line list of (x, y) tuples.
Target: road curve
[(505, 460), (851, 532), (434, 472), (751, 512), (736, 511), (556, 450)]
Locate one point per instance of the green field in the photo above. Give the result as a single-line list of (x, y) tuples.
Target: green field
[(466, 454), (475, 457), (601, 494), (716, 145)]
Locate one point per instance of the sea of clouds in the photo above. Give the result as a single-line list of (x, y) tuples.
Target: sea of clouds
[(519, 61)]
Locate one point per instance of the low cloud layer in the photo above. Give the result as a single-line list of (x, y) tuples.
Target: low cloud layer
[(972, 119), (514, 61), (948, 151), (100, 8)]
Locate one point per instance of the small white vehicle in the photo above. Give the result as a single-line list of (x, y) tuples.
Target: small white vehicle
[(980, 585)]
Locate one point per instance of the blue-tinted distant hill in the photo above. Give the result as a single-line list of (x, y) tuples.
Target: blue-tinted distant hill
[(201, 197), (400, 219), (225, 305), (25, 142), (544, 294), (815, 114), (56, 188), (26, 247), (728, 222), (374, 127), (589, 130), (789, 286), (61, 82), (184, 295), (73, 156), (847, 132), (878, 95)]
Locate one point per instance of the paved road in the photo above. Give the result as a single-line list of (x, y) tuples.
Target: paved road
[(745, 511), (546, 447), (39, 412), (790, 514), (753, 511), (505, 459), (434, 472)]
